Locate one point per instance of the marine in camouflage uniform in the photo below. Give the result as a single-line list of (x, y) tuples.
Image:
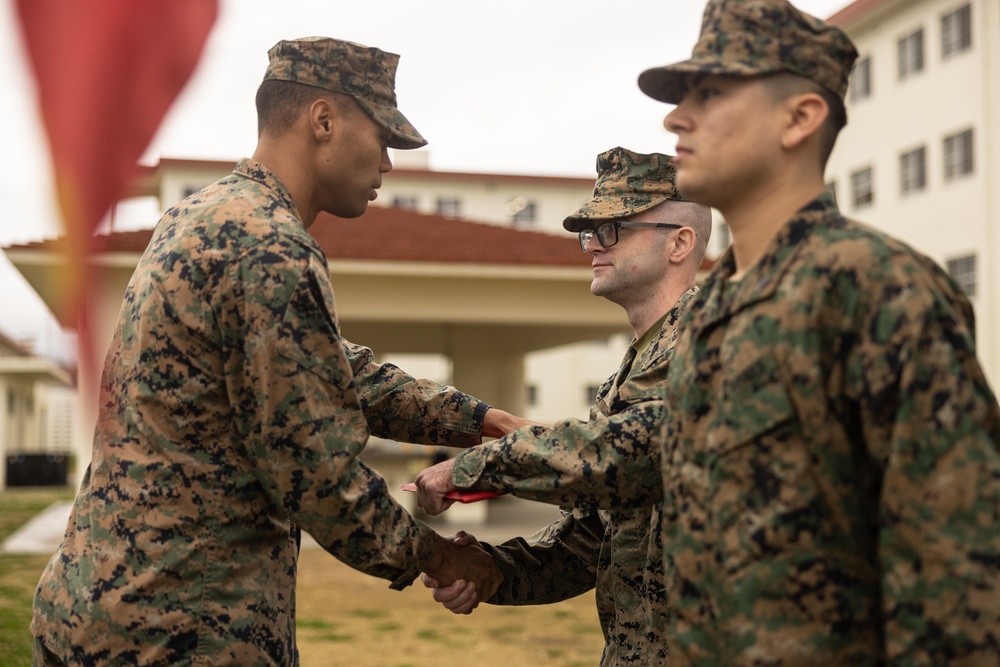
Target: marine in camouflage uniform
[(616, 551), (830, 466), (231, 416), (582, 463)]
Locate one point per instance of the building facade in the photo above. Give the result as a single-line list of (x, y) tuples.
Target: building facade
[(36, 418), (920, 156)]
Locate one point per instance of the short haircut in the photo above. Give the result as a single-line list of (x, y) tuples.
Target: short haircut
[(785, 84), (689, 214), (279, 103)]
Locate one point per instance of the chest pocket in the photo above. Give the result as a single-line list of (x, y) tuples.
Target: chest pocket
[(310, 335), (752, 405), (761, 488)]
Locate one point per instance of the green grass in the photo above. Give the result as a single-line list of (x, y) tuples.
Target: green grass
[(19, 505), (19, 574)]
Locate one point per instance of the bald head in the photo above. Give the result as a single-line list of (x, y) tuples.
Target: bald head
[(687, 214)]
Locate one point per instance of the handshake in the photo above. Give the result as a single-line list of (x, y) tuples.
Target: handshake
[(460, 573)]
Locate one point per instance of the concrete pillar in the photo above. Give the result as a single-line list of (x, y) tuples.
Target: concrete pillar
[(486, 365)]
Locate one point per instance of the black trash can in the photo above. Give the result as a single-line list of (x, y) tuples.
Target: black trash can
[(50, 469)]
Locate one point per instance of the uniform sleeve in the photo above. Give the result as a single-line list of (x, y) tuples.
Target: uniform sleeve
[(557, 563), (303, 424), (932, 426), (611, 460), (400, 407)]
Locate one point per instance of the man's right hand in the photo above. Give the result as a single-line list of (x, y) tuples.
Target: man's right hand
[(432, 485), (461, 573)]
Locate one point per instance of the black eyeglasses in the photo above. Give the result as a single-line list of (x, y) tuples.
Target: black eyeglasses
[(607, 233)]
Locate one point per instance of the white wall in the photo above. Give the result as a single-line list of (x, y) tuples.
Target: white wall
[(948, 219), (487, 201)]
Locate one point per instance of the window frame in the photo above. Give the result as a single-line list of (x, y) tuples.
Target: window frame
[(858, 93), (448, 207), (855, 178), (907, 183), (959, 155), (956, 32), (963, 270), (406, 202), (527, 214), (909, 64)]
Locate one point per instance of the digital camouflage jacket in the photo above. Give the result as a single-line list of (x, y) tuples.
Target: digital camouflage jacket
[(231, 415), (831, 468)]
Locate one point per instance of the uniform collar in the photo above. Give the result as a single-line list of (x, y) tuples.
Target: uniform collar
[(723, 297), (256, 171)]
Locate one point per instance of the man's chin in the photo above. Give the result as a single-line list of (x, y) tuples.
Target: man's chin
[(349, 212)]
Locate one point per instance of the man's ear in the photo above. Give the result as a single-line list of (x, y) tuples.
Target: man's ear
[(684, 241), (806, 114), (322, 119)]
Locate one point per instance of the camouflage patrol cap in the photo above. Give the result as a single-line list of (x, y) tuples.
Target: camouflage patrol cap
[(752, 37), (365, 73), (627, 183)]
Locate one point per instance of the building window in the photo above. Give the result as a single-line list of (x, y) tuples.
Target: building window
[(407, 202), (531, 394), (912, 172), (831, 189), (861, 80), (592, 390), (522, 210), (958, 155), (956, 31), (862, 188), (963, 270), (911, 53), (449, 207)]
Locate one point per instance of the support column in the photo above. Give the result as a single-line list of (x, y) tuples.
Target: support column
[(486, 366), (489, 366)]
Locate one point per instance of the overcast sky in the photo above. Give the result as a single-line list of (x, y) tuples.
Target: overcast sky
[(523, 86)]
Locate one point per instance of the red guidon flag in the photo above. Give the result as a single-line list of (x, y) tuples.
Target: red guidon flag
[(107, 71)]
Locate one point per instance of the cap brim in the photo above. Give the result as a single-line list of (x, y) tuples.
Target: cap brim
[(404, 135), (609, 208), (670, 82)]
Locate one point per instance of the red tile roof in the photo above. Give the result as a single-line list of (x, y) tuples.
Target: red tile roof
[(854, 12), (389, 234), (395, 234), (430, 174)]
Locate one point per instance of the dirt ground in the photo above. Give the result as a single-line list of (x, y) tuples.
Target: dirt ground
[(350, 619), (346, 618)]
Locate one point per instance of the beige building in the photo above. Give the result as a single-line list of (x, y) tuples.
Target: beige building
[(920, 157), (36, 416)]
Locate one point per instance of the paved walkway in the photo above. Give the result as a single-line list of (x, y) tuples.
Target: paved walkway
[(504, 518), (42, 534)]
